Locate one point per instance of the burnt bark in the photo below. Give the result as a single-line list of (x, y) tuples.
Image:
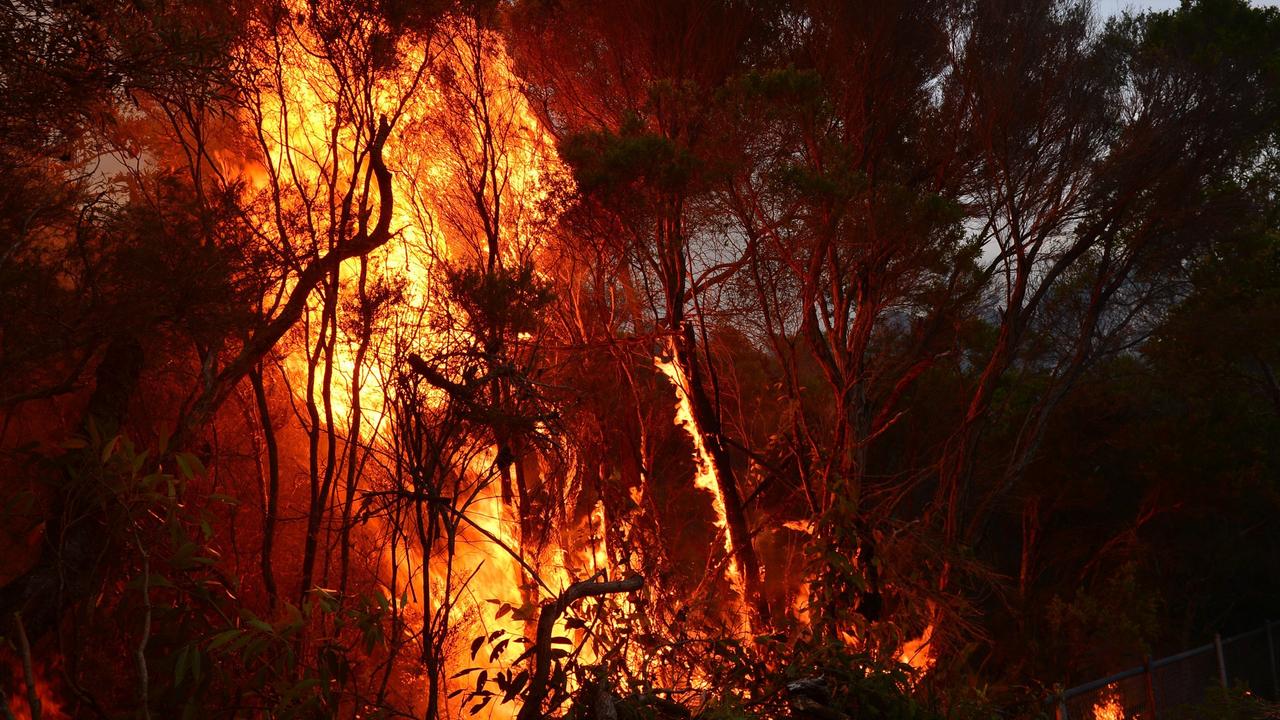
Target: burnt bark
[(270, 510)]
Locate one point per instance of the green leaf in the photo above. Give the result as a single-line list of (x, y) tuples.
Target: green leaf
[(252, 649), (109, 449), (180, 665), (224, 637), (138, 461), (189, 465), (182, 556), (328, 599)]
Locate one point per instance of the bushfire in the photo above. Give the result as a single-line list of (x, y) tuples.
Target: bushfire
[(666, 359), (474, 175)]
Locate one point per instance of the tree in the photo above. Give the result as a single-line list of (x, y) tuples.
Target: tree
[(640, 131)]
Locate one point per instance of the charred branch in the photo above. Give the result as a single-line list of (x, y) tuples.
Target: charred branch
[(547, 617)]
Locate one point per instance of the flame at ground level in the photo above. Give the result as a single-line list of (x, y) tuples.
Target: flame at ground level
[(918, 653), (1109, 707)]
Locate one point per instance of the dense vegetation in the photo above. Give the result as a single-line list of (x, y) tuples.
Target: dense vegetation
[(715, 358)]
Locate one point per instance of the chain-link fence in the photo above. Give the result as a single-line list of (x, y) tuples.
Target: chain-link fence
[(1151, 691)]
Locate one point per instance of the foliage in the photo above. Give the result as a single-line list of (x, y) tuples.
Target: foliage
[(1116, 619), (1235, 703)]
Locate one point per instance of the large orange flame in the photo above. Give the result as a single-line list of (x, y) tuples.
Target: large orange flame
[(314, 152)]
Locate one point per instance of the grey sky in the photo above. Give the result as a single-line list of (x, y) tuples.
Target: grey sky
[(1114, 7)]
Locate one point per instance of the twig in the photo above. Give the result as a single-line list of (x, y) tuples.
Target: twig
[(4, 705), (29, 673), (143, 680)]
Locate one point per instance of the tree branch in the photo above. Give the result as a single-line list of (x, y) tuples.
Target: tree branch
[(262, 341), (547, 617)]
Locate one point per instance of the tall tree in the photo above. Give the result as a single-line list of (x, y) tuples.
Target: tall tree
[(640, 130)]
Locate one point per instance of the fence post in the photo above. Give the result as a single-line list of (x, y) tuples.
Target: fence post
[(1271, 655), (1222, 661), (1151, 691)]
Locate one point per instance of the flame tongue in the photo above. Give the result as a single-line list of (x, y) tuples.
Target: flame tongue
[(918, 653), (705, 477)]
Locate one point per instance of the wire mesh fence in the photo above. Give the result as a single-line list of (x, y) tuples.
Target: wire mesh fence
[(1159, 688)]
